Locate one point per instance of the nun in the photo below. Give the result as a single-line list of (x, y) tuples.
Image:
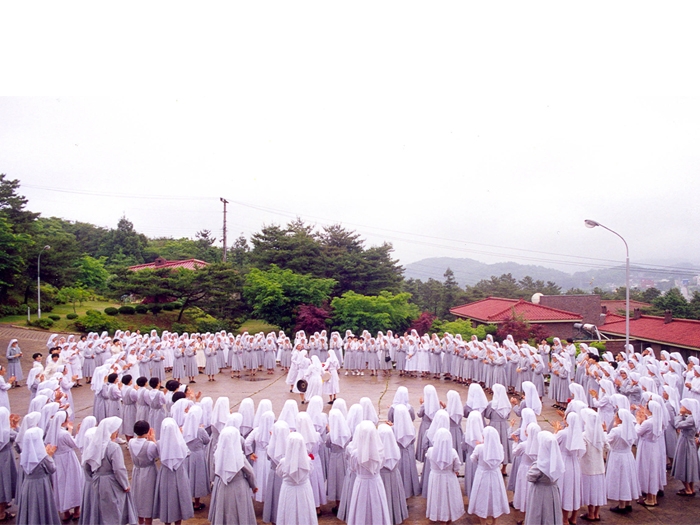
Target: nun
[(8, 468), (544, 503), (391, 476), (488, 497), (296, 499), (219, 415), (276, 449), (473, 435), (621, 474), (172, 502), (36, 503), (144, 452), (197, 439), (405, 434), (445, 502), (305, 427), (497, 412), (337, 438), (572, 448), (110, 501), (441, 420), (332, 387), (256, 448), (527, 450), (14, 365), (368, 504), (685, 462), (400, 398), (651, 454), (4, 387), (68, 479), (234, 482), (430, 404), (455, 411), (593, 493)]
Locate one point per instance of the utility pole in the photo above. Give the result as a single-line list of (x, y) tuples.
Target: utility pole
[(225, 203)]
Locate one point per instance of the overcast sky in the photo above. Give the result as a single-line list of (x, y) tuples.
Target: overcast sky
[(488, 132)]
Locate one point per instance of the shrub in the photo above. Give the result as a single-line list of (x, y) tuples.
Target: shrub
[(110, 310), (94, 321), (44, 323), (146, 329), (141, 309), (55, 317), (127, 310), (73, 316), (155, 308), (181, 328), (168, 307)]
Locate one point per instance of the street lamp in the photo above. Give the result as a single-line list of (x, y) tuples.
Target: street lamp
[(592, 224), (38, 281)]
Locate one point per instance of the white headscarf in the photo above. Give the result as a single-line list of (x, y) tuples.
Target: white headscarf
[(305, 427), (533, 430), (593, 428), (442, 453), (527, 416), (234, 420), (193, 419), (500, 402), (368, 411), (177, 411), (289, 413), (96, 447), (574, 437), (354, 417), (532, 399), (296, 463), (31, 420), (578, 392), (247, 410), (278, 441), (339, 431), (627, 427), (340, 404), (392, 453), (475, 429), (263, 406), (492, 452), (207, 406), (33, 449), (367, 447), (51, 437), (454, 406), (441, 420), (4, 427), (47, 412), (401, 397), (220, 413), (694, 406), (172, 447), (228, 457), (476, 399), (673, 398), (549, 459), (315, 410), (403, 428), (431, 404), (38, 403), (264, 428)]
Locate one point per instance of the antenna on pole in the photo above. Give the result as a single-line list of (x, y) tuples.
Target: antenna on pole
[(225, 203)]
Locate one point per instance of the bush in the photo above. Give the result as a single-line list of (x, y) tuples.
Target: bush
[(181, 328), (73, 316), (55, 317), (169, 307), (146, 329), (44, 323), (141, 309), (155, 308), (94, 321), (110, 310), (127, 310)]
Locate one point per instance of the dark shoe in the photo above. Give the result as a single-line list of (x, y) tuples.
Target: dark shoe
[(660, 494), (585, 517), (334, 510), (628, 508), (618, 510), (201, 506)]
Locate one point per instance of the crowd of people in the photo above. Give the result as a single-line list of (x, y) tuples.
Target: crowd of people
[(624, 421)]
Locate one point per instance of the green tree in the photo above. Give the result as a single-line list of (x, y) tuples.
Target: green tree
[(12, 205), (650, 294), (72, 295), (239, 254), (294, 248), (672, 300), (124, 241), (452, 295), (92, 273), (12, 247), (274, 294), (386, 311)]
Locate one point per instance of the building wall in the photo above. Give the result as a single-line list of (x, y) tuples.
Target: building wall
[(587, 306)]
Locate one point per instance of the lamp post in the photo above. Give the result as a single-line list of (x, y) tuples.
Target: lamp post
[(38, 281), (592, 224)]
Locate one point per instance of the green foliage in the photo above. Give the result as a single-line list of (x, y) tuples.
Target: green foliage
[(44, 323), (94, 321), (181, 328), (70, 295), (509, 287), (274, 294), (54, 317), (385, 311), (168, 307), (127, 310), (155, 308), (141, 309), (110, 310), (92, 273), (600, 345), (124, 244), (72, 316), (672, 300), (464, 327)]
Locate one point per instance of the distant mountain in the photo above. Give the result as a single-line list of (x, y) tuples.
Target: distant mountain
[(470, 271)]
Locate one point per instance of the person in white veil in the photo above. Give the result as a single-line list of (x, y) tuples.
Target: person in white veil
[(36, 502), (430, 404), (651, 454), (391, 476), (276, 450), (368, 411), (405, 434), (256, 448), (172, 502), (488, 498), (544, 503), (621, 474), (368, 504), (296, 500), (234, 480), (445, 502), (103, 459)]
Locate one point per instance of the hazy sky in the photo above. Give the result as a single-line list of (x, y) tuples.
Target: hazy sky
[(447, 129)]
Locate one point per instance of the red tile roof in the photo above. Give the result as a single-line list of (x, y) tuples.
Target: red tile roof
[(189, 264), (618, 305), (498, 309), (679, 332)]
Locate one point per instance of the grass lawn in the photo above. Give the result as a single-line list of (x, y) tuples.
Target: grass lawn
[(253, 326), (62, 310)]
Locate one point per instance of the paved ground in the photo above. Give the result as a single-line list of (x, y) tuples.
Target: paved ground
[(672, 510)]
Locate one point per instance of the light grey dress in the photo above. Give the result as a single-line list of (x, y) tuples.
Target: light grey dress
[(409, 469), (503, 428), (143, 479), (395, 494), (14, 366), (36, 502), (272, 494), (685, 463), (336, 470), (232, 503), (129, 397), (172, 500), (543, 501), (108, 503), (197, 468), (8, 471)]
